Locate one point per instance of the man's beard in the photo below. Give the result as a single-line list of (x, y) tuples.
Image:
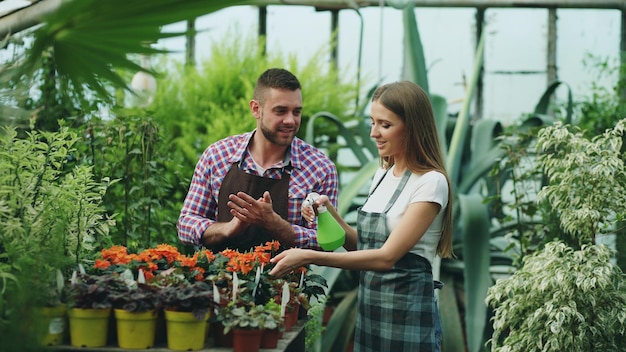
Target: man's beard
[(273, 137)]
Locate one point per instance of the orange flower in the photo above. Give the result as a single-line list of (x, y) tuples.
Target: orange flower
[(200, 275), (116, 255), (152, 267), (209, 255), (163, 251), (102, 264), (188, 261), (148, 275), (263, 258), (229, 253), (271, 246)]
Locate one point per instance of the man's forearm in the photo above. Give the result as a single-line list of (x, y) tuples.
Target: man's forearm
[(215, 234), (282, 230)]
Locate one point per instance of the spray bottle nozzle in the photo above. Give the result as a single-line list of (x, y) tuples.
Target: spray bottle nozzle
[(310, 200)]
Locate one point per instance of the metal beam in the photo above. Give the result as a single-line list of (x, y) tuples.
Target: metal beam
[(32, 15), (27, 17), (562, 4)]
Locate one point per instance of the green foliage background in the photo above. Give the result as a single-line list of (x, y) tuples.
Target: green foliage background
[(196, 106)]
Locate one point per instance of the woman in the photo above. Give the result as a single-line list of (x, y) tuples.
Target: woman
[(403, 224)]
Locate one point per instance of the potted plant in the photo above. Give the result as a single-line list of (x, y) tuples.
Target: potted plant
[(89, 307), (54, 309), (246, 321), (187, 308), (271, 324), (135, 307)]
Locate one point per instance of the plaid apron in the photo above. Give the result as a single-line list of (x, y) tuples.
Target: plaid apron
[(396, 308)]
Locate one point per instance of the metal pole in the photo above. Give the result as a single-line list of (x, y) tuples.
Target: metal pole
[(190, 57), (334, 33), (552, 74), (480, 18), (622, 70), (263, 26)]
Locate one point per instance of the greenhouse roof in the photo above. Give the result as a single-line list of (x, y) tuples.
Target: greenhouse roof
[(17, 15)]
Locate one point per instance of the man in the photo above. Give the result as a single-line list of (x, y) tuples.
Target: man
[(248, 189)]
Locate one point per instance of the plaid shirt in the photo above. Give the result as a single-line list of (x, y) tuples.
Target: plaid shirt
[(312, 171)]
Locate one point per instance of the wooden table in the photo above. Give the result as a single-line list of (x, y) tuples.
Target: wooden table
[(292, 341)]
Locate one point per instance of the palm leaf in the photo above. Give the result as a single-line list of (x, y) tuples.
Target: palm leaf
[(92, 38)]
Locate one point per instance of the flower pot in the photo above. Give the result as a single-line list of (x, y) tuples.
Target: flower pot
[(54, 322), (88, 327), (246, 340), (291, 316), (269, 338), (135, 330), (184, 331), (221, 339)]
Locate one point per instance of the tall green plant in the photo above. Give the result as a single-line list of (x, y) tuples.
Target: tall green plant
[(47, 204), (51, 217), (129, 149), (566, 306)]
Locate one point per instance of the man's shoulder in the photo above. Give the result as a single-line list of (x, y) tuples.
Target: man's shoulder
[(309, 153), (232, 141)]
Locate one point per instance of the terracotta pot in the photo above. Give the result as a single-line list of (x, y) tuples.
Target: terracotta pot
[(246, 340), (269, 338), (291, 317)]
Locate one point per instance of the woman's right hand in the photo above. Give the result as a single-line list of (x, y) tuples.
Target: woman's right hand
[(309, 209)]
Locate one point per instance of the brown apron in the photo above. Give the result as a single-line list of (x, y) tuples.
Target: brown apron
[(237, 180)]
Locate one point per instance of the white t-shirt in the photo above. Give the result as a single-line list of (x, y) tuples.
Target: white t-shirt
[(429, 187)]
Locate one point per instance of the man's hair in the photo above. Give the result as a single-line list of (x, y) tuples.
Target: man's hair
[(276, 78)]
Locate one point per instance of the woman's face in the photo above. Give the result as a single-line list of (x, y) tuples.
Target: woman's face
[(388, 132)]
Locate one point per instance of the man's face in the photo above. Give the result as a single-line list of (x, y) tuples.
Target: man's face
[(279, 117)]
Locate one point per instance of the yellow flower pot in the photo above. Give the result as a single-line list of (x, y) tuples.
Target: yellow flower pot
[(135, 330), (54, 322), (88, 327), (184, 331)]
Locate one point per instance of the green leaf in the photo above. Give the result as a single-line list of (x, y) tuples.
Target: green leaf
[(475, 228)]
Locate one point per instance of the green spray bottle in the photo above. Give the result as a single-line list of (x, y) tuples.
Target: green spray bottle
[(330, 235)]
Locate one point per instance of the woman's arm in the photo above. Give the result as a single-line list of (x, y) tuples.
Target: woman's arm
[(409, 231), (308, 213)]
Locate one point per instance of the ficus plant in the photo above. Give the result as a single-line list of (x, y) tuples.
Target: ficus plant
[(568, 295), (587, 179), (562, 299)]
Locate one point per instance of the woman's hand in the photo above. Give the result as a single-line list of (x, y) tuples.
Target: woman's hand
[(289, 260), (309, 207)]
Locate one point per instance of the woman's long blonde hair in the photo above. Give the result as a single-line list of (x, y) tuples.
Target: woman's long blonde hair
[(422, 148)]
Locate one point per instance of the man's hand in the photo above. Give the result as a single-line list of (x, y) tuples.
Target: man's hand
[(220, 231), (252, 211)]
